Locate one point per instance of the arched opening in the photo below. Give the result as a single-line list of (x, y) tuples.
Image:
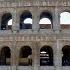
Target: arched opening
[(26, 20), (25, 56), (46, 56), (45, 20), (66, 56), (6, 21), (65, 20), (5, 56)]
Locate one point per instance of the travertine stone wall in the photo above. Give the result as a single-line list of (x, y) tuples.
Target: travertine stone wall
[(35, 37)]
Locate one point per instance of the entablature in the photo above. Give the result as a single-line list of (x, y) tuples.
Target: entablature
[(21, 3)]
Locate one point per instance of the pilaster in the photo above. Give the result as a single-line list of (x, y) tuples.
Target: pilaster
[(16, 20), (57, 56), (35, 25), (14, 52), (36, 58), (56, 20)]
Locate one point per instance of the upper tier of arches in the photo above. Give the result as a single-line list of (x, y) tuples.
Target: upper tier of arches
[(26, 20)]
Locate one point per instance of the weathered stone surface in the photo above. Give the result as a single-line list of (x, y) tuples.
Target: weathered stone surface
[(35, 37)]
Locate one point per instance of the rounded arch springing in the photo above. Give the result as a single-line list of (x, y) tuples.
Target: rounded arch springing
[(65, 20), (66, 55), (45, 20), (5, 24), (25, 56), (26, 20), (25, 51), (46, 56), (5, 55)]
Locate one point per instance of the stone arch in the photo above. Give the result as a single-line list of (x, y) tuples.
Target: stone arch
[(5, 55), (6, 17), (66, 55), (26, 20), (25, 56), (47, 17), (46, 56), (64, 20)]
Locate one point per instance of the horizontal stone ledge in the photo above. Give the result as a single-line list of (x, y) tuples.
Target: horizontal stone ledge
[(35, 38), (34, 3), (25, 38)]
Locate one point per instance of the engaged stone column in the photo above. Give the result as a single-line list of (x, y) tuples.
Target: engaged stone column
[(56, 21), (14, 53), (14, 57), (35, 25), (57, 56), (16, 21), (35, 57)]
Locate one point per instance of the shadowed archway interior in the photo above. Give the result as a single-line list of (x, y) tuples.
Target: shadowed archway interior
[(26, 16), (66, 56), (45, 20), (25, 56), (46, 56), (4, 21), (5, 55)]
